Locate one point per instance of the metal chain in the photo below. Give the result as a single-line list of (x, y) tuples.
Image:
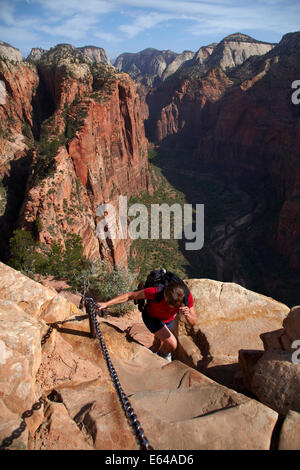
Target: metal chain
[(126, 405), (18, 431), (7, 441), (129, 411), (55, 325)]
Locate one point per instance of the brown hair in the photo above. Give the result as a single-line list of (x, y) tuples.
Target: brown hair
[(174, 293)]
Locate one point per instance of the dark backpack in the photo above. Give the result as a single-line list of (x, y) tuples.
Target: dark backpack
[(160, 278)]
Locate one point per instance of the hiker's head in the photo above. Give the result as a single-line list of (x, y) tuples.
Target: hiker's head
[(174, 293)]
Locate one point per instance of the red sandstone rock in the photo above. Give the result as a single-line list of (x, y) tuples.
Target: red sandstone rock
[(107, 157)]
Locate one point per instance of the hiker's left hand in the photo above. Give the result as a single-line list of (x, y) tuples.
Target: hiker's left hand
[(101, 305)]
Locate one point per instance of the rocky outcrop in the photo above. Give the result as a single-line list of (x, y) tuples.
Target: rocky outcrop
[(21, 81), (179, 60), (278, 363), (89, 145), (9, 52), (24, 307), (234, 49), (202, 54), (81, 406), (272, 375), (277, 367), (228, 317), (36, 54), (199, 82), (95, 54), (150, 66), (290, 432)]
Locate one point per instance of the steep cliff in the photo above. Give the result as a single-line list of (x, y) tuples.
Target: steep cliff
[(89, 146), (20, 82)]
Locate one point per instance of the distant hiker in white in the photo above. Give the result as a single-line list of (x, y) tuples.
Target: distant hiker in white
[(106, 226)]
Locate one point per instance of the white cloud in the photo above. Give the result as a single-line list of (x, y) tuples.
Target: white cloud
[(143, 22), (219, 16), (10, 34), (7, 12), (74, 28), (107, 37), (65, 8)]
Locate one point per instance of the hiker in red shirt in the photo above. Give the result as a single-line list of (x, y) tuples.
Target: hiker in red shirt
[(159, 316)]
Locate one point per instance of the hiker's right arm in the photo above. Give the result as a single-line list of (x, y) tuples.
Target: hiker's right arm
[(136, 295)]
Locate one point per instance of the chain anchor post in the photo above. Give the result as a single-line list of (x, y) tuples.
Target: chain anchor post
[(91, 322)]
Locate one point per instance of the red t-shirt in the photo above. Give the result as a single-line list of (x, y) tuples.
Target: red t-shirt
[(161, 309)]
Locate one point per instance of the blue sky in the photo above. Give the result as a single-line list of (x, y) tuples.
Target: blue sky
[(132, 25)]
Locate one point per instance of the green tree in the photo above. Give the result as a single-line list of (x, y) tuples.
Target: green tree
[(21, 245), (106, 282)]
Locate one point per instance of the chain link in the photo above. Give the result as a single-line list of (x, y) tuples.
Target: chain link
[(126, 405), (19, 430)]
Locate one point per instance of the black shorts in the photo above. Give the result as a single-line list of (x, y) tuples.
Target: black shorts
[(154, 324)]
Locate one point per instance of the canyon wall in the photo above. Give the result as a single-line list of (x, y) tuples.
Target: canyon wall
[(80, 123), (241, 123)]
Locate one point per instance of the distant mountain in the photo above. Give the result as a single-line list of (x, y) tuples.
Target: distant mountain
[(9, 52), (233, 50), (151, 66), (90, 54)]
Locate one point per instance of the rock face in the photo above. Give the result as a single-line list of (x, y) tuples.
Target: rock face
[(277, 367), (24, 307), (10, 53), (81, 406), (187, 96), (228, 317), (151, 66), (95, 54), (16, 115), (290, 432), (202, 54), (36, 54), (85, 125), (234, 49)]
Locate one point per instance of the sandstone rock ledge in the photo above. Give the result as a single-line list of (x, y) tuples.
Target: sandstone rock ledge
[(273, 375), (229, 318), (178, 407)]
